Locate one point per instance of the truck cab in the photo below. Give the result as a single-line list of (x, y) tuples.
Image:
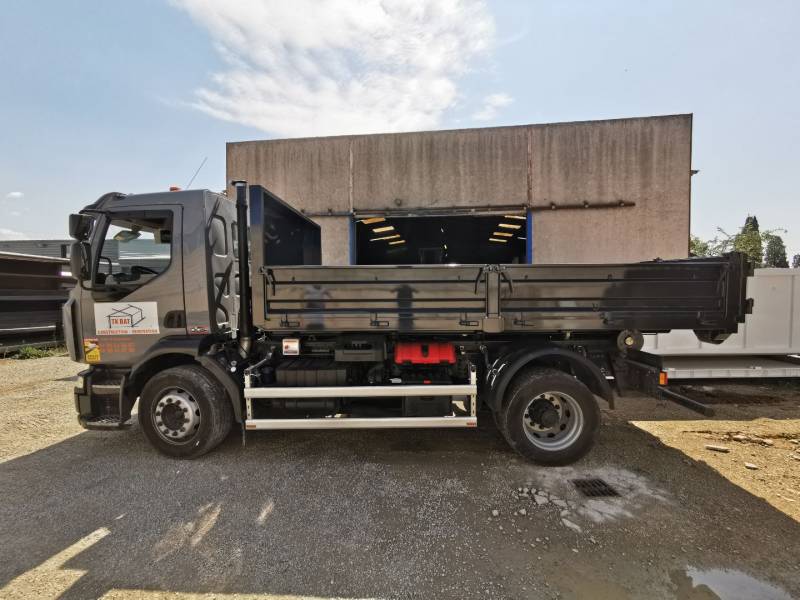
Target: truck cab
[(157, 286)]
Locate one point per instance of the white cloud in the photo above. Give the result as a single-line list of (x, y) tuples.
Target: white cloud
[(326, 67), (10, 234), (491, 105), (12, 204)]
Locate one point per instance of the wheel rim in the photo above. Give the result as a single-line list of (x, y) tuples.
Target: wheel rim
[(176, 416), (553, 421)]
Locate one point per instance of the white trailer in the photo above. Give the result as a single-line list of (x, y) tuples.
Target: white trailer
[(766, 346)]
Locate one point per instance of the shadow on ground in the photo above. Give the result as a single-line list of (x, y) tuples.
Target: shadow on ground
[(375, 514)]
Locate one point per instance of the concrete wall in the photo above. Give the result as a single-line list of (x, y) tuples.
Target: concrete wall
[(335, 234), (645, 161), (473, 167)]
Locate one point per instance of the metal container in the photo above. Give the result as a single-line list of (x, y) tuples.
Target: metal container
[(772, 329), (32, 290)]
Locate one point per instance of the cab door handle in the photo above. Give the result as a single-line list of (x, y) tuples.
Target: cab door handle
[(175, 319)]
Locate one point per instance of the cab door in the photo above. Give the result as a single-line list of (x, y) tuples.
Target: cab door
[(137, 280)]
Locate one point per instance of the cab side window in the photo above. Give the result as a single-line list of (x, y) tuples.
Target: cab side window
[(135, 249)]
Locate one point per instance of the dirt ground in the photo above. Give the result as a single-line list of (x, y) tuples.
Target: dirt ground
[(397, 514), (762, 438)]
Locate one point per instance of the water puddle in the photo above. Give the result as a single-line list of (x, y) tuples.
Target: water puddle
[(722, 584)]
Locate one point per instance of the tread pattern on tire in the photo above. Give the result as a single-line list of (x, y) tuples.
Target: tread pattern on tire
[(539, 379), (215, 407)]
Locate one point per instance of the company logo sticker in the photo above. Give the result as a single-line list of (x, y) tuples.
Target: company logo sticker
[(126, 318)]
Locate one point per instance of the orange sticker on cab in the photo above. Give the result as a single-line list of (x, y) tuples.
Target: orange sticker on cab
[(91, 350)]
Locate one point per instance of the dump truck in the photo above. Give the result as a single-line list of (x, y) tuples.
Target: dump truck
[(221, 316)]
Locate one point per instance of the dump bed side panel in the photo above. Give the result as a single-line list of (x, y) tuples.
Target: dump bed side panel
[(687, 294), (699, 294), (401, 298)]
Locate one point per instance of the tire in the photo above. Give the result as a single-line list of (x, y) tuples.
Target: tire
[(549, 417), (194, 417)]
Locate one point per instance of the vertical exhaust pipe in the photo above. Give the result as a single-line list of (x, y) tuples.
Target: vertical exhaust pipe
[(245, 333)]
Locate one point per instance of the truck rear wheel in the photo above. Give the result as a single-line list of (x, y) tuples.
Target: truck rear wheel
[(185, 412), (549, 416)]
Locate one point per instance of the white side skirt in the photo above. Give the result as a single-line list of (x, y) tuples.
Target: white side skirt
[(362, 423), (361, 391)]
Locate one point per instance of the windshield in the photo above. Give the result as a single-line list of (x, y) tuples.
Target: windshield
[(135, 248)]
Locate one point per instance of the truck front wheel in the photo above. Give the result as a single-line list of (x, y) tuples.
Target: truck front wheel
[(184, 411), (549, 416)]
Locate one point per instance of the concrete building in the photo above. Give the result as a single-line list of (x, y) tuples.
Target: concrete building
[(594, 191)]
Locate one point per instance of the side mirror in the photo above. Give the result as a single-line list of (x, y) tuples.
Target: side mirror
[(79, 258), (80, 226)]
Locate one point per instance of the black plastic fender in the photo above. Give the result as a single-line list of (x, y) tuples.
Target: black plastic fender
[(506, 367), (231, 385), (179, 350), (188, 347)]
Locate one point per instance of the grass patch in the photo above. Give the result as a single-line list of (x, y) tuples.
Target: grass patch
[(29, 352)]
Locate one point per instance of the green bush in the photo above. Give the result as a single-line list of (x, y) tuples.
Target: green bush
[(33, 352)]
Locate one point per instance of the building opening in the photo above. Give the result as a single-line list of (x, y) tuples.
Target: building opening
[(414, 240)]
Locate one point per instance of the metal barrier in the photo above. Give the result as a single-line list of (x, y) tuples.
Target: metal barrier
[(32, 291)]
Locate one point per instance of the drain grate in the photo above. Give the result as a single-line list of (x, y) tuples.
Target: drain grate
[(594, 488)]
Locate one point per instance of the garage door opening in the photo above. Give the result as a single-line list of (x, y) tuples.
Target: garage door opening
[(418, 240)]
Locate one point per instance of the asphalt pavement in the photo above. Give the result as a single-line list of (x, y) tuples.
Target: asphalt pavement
[(366, 514)]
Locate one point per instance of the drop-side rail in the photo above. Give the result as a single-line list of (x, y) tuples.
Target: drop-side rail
[(702, 294)]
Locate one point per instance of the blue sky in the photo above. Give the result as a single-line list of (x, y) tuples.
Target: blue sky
[(131, 96)]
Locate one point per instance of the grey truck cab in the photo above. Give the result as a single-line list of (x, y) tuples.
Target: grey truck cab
[(213, 313), (156, 286)]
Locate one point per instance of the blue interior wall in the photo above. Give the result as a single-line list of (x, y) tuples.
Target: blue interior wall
[(529, 237)]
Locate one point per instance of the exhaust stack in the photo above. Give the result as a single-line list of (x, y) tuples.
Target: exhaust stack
[(245, 333)]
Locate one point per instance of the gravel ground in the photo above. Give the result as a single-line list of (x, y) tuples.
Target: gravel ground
[(402, 514)]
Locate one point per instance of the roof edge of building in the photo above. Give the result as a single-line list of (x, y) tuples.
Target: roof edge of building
[(460, 130)]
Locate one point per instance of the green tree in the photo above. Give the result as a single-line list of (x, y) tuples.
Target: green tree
[(698, 247), (775, 252), (751, 222), (749, 240), (763, 248)]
